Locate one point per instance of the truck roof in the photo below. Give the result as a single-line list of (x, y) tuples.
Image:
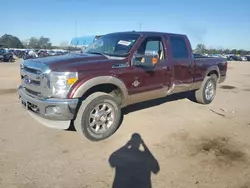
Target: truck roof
[(147, 33)]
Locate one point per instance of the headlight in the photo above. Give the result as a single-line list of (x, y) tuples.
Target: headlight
[(60, 83)]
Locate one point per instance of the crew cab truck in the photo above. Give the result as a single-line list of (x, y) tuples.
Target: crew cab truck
[(117, 70)]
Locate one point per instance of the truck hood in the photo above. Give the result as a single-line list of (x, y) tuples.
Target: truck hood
[(74, 62)]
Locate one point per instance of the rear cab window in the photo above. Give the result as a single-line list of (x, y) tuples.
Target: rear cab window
[(179, 49)]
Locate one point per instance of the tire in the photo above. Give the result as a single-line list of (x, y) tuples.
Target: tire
[(11, 59), (200, 95), (215, 77), (84, 120)]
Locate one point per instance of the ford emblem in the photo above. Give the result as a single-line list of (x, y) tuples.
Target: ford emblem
[(26, 80)]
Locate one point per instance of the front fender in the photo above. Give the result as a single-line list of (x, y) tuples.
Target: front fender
[(81, 88)]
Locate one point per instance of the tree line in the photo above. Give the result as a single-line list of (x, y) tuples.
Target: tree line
[(11, 41), (201, 49)]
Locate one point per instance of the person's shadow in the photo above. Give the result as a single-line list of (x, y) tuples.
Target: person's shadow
[(133, 166)]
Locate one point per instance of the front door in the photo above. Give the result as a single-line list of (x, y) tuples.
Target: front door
[(149, 82)]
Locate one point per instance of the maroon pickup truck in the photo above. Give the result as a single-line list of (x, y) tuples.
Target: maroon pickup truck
[(119, 69)]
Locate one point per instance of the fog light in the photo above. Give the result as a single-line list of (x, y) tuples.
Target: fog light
[(50, 110), (56, 109)]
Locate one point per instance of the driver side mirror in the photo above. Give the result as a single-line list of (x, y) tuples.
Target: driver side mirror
[(144, 60)]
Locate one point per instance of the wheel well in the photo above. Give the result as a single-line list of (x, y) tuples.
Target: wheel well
[(213, 72), (112, 89)]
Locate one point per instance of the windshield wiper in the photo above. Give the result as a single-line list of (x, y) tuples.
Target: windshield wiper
[(107, 54), (98, 53), (119, 55)]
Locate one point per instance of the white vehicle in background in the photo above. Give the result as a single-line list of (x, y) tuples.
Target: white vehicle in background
[(243, 58), (32, 53), (51, 52)]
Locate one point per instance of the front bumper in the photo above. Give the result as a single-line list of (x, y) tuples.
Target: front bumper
[(50, 109)]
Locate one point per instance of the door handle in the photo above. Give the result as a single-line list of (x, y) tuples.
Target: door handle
[(167, 68)]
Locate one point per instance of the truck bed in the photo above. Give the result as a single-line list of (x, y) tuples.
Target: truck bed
[(205, 63)]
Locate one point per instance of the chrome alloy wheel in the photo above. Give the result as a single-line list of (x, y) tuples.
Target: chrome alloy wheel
[(209, 91), (101, 118)]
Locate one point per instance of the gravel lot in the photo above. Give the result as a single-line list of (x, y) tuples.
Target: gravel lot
[(187, 144)]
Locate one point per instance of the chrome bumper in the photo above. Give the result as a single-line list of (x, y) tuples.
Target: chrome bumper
[(51, 109)]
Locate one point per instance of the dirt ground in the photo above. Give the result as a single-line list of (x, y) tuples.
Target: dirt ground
[(182, 143)]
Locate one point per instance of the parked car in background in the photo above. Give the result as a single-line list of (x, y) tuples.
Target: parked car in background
[(18, 53), (42, 53), (243, 58), (234, 58), (6, 55), (247, 57), (51, 52), (199, 55)]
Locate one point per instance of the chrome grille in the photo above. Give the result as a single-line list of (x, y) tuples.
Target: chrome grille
[(32, 81), (35, 79), (34, 71), (33, 92)]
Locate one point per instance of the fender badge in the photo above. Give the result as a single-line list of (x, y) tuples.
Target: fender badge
[(136, 83)]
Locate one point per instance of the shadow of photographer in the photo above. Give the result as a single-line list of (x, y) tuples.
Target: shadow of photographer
[(133, 166)]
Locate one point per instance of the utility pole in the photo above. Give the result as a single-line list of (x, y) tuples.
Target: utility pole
[(140, 26), (76, 33), (76, 28)]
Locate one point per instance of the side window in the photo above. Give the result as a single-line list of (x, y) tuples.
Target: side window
[(179, 47), (152, 46)]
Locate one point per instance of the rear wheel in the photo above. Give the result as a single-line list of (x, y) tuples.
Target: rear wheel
[(207, 92), (215, 77), (98, 116)]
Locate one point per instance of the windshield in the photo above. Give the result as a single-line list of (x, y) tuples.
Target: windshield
[(113, 44)]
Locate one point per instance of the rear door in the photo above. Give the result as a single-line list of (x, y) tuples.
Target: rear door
[(183, 63)]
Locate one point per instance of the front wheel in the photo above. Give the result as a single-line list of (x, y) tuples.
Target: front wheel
[(98, 116), (207, 92)]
